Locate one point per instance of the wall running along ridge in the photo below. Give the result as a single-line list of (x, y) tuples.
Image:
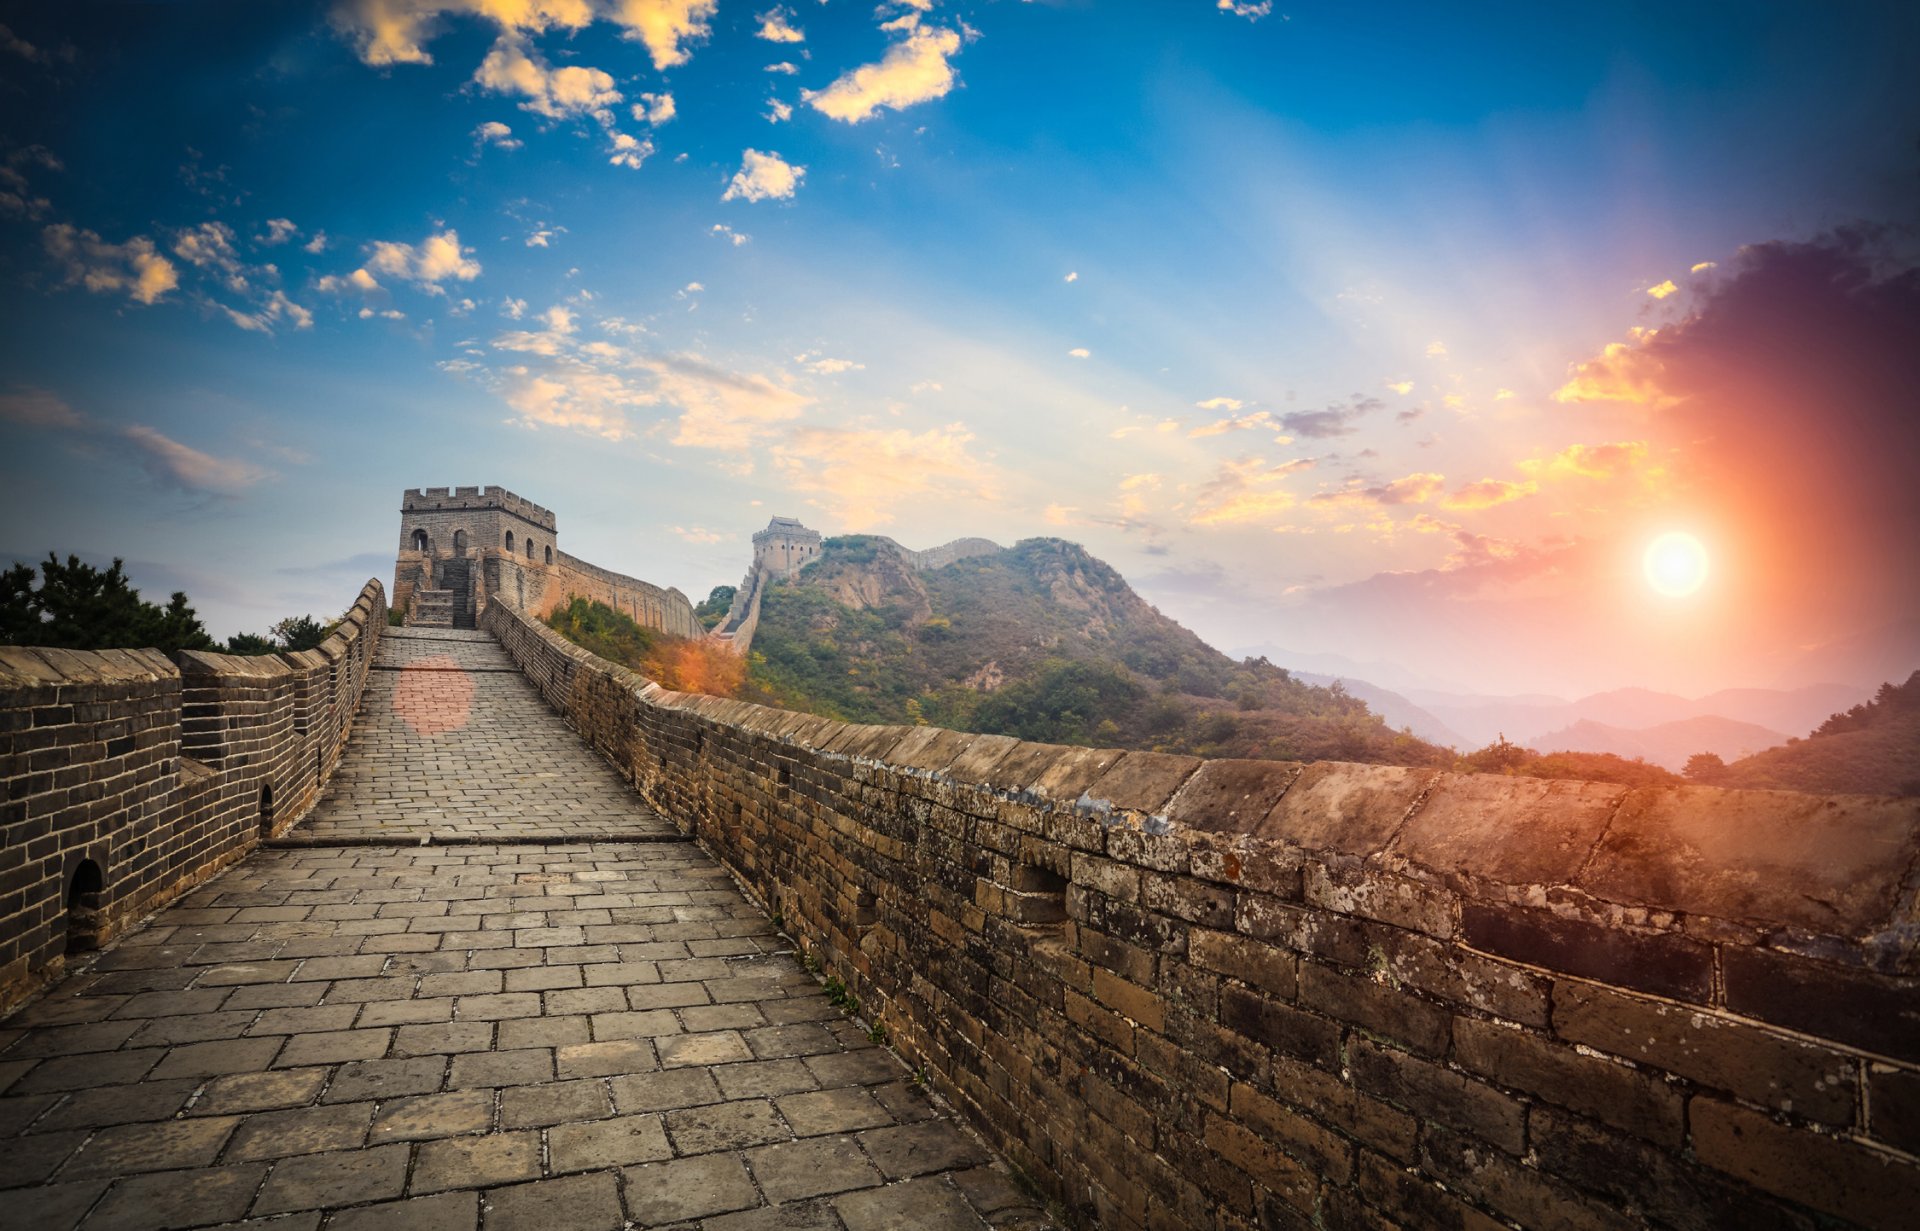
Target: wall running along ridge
[(153, 774), (1238, 994)]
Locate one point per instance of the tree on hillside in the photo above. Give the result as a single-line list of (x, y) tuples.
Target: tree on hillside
[(1704, 767), (714, 610), (291, 634), (79, 607)]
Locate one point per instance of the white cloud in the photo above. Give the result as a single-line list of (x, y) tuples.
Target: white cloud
[(700, 534), (135, 267), (1072, 276), (210, 246), (1401, 387), (1248, 9), (776, 26), (1080, 352), (777, 111), (762, 177), (827, 366), (784, 68), (397, 31), (737, 238), (628, 151), (664, 26), (494, 133), (436, 259), (655, 109), (1436, 350), (276, 307), (557, 93), (914, 70), (317, 244), (1228, 404), (279, 231)]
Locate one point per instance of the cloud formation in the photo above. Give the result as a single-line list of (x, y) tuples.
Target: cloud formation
[(164, 458), (1337, 419), (134, 267), (914, 70), (1487, 494), (763, 177), (436, 259)]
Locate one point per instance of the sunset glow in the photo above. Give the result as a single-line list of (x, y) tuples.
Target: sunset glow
[(1676, 564), (1390, 336)]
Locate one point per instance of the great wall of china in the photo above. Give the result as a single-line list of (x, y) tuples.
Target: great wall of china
[(437, 963)]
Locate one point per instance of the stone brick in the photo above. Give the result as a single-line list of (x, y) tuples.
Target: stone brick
[(1281, 1027), (1777, 1070), (1831, 1175), (1376, 1006), (1878, 1013), (1263, 965), (1893, 1102), (1665, 964), (1555, 1072), (1438, 1095)]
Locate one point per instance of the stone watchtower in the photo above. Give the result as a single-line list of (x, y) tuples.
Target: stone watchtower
[(784, 548), (447, 536)]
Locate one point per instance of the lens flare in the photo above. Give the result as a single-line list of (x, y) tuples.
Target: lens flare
[(1676, 564)]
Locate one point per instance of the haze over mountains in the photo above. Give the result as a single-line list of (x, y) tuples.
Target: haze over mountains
[(1660, 727)]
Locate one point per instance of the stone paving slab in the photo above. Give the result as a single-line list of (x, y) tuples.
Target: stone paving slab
[(453, 744), (581, 1035)]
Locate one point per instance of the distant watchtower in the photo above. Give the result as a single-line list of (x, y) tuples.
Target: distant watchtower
[(450, 536), (784, 548)]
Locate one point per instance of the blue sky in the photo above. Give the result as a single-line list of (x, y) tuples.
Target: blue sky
[(1268, 307)]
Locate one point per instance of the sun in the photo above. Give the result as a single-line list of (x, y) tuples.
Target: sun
[(1676, 564)]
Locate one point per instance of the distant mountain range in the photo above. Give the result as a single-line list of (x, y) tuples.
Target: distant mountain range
[(1666, 744), (1661, 728)]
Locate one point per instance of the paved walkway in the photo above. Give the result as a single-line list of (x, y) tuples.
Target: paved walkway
[(453, 742), (586, 1035)]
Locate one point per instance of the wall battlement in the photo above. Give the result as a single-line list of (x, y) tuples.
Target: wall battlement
[(1235, 994), (127, 778), (427, 499)]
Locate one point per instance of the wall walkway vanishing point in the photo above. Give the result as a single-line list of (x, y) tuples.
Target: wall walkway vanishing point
[(1185, 994), (1177, 994), (127, 778)]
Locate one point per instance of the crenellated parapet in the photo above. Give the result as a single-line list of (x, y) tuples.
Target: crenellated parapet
[(1228, 994), (127, 778)]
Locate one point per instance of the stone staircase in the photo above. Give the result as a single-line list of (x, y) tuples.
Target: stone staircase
[(431, 609), (457, 576)]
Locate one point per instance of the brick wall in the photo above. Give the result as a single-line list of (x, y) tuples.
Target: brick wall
[(1184, 994), (152, 775)]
